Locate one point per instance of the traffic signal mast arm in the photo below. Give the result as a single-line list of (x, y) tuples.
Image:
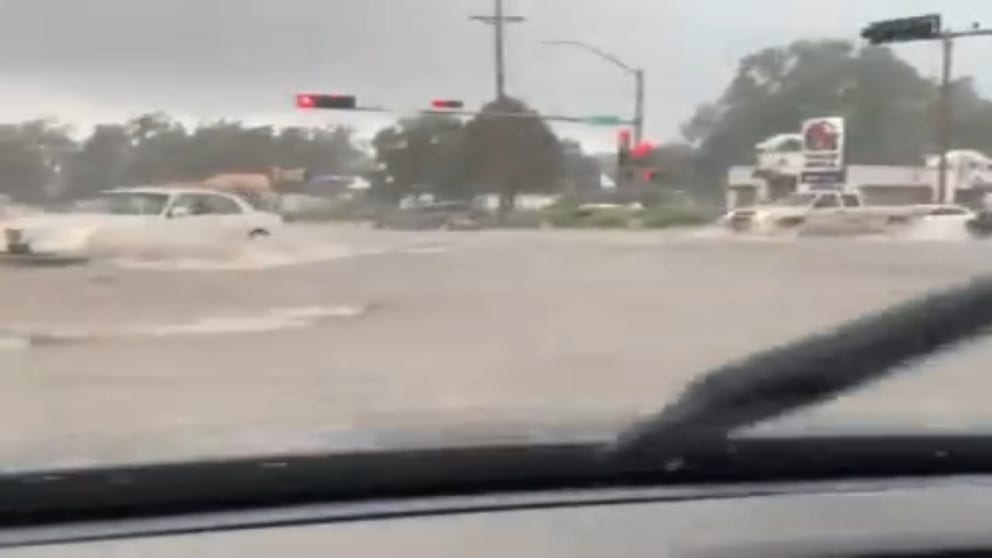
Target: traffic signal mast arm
[(313, 101), (928, 28)]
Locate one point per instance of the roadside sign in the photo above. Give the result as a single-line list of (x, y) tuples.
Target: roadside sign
[(603, 120), (823, 150)]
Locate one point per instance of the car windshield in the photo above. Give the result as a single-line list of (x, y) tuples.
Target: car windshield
[(124, 203), (395, 219)]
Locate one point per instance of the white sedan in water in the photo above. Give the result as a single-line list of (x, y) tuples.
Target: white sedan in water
[(135, 217), (936, 222)]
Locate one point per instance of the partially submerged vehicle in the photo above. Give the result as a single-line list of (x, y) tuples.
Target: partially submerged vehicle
[(838, 213), (137, 216), (450, 215)]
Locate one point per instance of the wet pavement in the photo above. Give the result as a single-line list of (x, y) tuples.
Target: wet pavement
[(285, 344)]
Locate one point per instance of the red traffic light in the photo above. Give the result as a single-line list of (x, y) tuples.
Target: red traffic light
[(447, 104), (623, 140), (305, 101), (642, 150), (324, 101)]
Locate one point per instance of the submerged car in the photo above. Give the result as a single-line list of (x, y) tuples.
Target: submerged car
[(441, 215), (137, 215), (980, 225)]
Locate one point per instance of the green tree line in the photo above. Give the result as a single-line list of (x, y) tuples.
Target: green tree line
[(40, 160), (890, 108)]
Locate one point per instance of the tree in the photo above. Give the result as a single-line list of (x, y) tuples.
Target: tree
[(101, 162), (971, 121), (581, 171), (512, 154), (160, 151), (423, 154), (33, 157), (154, 148)]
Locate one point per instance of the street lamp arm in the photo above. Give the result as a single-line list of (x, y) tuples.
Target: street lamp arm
[(597, 51)]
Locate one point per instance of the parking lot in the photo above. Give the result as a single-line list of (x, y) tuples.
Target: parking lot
[(285, 344)]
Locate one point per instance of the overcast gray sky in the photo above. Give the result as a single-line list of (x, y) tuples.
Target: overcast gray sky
[(94, 60)]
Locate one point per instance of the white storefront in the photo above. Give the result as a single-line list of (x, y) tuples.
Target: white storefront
[(780, 163)]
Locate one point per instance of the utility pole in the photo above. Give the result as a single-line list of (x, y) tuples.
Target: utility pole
[(929, 28), (499, 20)]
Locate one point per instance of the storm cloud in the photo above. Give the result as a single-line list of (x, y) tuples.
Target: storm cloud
[(234, 58)]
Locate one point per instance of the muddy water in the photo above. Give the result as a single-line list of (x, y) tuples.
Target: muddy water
[(308, 337)]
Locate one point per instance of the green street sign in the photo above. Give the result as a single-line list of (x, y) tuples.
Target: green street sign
[(603, 120)]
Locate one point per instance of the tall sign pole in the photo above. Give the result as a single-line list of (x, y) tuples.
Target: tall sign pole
[(944, 116)]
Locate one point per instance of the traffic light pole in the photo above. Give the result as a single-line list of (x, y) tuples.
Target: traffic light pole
[(639, 106), (638, 121), (929, 28), (944, 116)]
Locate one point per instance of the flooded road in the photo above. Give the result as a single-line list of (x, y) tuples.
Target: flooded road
[(282, 344)]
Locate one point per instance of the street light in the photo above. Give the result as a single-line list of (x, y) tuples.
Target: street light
[(637, 73)]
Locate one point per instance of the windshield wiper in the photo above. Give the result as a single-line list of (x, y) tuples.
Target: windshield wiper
[(775, 382)]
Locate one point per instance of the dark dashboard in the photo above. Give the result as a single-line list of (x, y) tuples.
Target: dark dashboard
[(854, 518)]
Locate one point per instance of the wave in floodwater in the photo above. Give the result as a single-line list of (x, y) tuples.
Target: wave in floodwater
[(936, 232), (249, 255), (274, 319), (289, 248)]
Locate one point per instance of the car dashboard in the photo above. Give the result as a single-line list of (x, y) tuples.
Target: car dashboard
[(894, 517)]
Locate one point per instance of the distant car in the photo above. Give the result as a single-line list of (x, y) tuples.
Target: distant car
[(953, 214), (980, 226), (137, 215), (442, 215)]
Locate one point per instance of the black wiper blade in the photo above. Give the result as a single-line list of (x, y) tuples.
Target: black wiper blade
[(775, 382)]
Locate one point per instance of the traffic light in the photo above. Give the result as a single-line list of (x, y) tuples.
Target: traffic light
[(324, 101), (623, 139), (623, 148), (901, 30), (642, 150), (447, 104)]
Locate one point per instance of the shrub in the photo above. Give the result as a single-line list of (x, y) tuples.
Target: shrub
[(664, 217), (520, 219), (565, 215), (349, 210), (607, 218)]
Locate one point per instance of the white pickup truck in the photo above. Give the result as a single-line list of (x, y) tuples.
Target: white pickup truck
[(833, 212)]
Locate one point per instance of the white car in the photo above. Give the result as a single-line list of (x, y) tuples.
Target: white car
[(938, 221), (136, 216)]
